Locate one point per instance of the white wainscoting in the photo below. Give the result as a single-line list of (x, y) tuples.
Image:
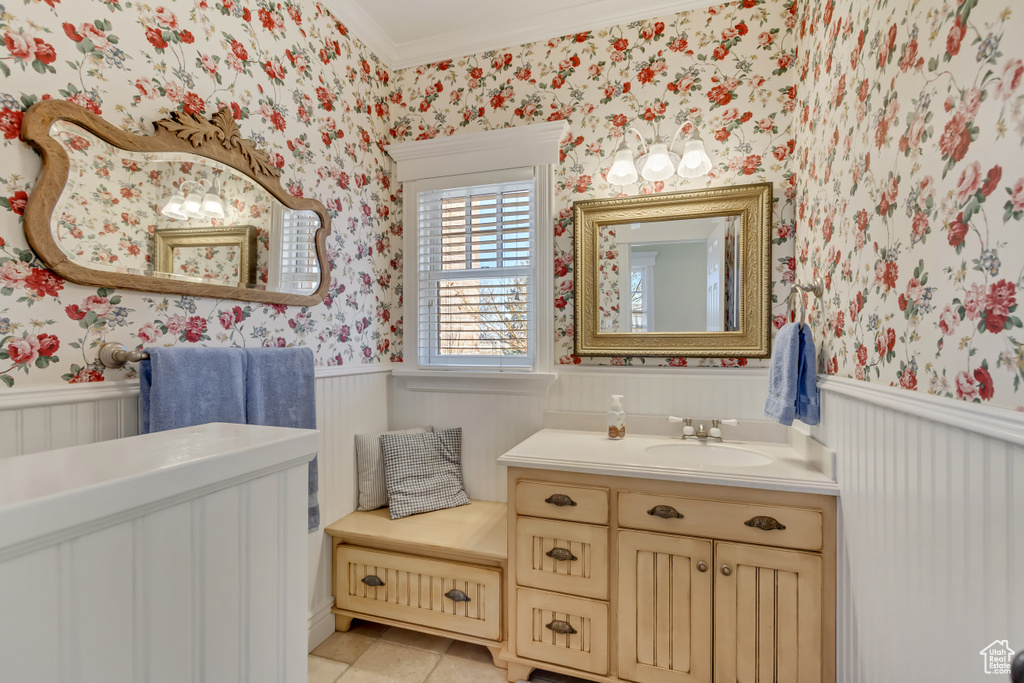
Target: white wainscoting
[(931, 554), (348, 401), (492, 423)]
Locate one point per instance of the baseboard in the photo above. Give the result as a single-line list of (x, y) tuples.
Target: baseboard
[(321, 625)]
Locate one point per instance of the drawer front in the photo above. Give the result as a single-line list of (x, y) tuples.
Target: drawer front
[(746, 522), (562, 556), (562, 501), (562, 630), (419, 590)]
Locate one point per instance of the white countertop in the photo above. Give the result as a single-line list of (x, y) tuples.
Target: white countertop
[(595, 453), (42, 494)]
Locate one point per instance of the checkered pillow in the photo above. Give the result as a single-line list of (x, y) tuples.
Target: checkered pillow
[(373, 493), (423, 472)]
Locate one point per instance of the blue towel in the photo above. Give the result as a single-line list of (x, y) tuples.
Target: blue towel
[(784, 375), (280, 392), (186, 387), (807, 400)]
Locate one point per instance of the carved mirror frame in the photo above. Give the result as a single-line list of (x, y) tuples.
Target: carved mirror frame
[(217, 138), (752, 203)]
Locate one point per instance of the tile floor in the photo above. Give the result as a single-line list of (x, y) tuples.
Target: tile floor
[(372, 653)]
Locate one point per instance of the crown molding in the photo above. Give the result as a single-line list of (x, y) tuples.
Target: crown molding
[(499, 34), (535, 144)]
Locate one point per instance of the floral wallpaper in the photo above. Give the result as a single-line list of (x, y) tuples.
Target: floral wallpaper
[(298, 83), (728, 70), (911, 198)]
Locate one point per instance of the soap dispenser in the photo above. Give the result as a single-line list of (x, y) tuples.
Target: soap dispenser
[(616, 418)]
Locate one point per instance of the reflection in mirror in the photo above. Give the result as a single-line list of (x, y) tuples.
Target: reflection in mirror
[(669, 276), (116, 214)]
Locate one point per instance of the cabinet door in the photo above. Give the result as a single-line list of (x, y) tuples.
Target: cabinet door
[(664, 608), (767, 615)]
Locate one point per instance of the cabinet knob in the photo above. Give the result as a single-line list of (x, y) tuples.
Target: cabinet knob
[(764, 523), (560, 499), (372, 580), (562, 554), (559, 626), (455, 595), (665, 512), (702, 566), (726, 570)]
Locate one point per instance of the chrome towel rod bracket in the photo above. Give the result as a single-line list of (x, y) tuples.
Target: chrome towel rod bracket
[(116, 355)]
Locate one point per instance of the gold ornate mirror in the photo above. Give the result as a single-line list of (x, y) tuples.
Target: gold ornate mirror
[(194, 209), (675, 274)]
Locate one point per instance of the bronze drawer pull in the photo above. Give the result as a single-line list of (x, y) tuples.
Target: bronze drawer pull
[(665, 512), (560, 499), (764, 523), (455, 595), (561, 554), (372, 580), (559, 626)]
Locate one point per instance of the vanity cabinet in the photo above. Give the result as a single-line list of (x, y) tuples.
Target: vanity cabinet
[(669, 582)]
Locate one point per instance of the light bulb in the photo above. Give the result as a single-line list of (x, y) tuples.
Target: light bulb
[(659, 165), (192, 203), (623, 170), (213, 205), (172, 209), (695, 161)]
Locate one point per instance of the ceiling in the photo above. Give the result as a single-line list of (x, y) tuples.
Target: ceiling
[(406, 33)]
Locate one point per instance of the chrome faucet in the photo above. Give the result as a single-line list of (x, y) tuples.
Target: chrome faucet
[(700, 433)]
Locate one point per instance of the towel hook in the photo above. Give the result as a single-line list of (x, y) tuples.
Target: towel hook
[(817, 288)]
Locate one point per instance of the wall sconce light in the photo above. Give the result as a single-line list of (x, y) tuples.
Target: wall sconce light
[(658, 161), (196, 204)]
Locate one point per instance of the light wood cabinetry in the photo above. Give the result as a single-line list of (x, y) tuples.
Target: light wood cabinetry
[(440, 572), (671, 582)]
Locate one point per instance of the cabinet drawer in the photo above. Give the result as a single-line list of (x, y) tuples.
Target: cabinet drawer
[(562, 501), (747, 522), (562, 556), (562, 630), (419, 590)]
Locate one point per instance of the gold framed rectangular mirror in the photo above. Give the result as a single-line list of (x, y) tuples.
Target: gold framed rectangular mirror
[(221, 255), (675, 274)]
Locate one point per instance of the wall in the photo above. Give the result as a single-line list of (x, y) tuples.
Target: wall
[(726, 69), (931, 514), (911, 194), (680, 277), (37, 419), (300, 86)]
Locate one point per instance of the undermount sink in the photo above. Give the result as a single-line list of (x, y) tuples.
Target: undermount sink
[(696, 454)]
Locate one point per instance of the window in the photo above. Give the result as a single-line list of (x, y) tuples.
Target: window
[(477, 211), (294, 266), (476, 261), (640, 293)]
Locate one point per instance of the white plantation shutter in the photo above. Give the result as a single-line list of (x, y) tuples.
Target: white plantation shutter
[(476, 267), (299, 270)]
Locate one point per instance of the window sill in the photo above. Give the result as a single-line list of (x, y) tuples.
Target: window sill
[(476, 381)]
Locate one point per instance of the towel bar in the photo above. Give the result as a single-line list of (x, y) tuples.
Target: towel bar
[(116, 355)]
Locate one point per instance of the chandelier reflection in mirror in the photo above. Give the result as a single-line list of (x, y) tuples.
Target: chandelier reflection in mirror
[(204, 201), (659, 161)]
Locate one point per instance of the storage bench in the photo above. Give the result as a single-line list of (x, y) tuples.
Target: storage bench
[(440, 572)]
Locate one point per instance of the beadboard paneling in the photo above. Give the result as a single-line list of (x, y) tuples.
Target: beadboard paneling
[(930, 553), (491, 424), (692, 392), (347, 402)]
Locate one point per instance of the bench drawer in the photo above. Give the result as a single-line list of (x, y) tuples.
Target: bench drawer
[(562, 630), (746, 522), (453, 596), (562, 501)]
